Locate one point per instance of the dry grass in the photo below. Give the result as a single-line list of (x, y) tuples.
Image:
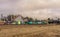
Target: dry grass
[(30, 31)]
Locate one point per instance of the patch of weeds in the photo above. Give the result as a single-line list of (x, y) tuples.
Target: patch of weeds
[(57, 35), (0, 29), (15, 36)]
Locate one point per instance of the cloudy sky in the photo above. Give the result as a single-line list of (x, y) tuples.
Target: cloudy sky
[(33, 8)]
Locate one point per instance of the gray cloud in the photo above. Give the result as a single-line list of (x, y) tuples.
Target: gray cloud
[(32, 8)]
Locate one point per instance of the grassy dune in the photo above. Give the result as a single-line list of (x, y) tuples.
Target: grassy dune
[(30, 31)]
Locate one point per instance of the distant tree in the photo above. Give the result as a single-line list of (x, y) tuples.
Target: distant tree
[(48, 18), (31, 19), (2, 19), (36, 20), (58, 18), (10, 17), (26, 18)]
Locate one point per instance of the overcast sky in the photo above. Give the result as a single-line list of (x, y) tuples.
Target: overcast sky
[(33, 8)]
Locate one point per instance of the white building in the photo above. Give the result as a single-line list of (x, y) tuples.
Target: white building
[(19, 18)]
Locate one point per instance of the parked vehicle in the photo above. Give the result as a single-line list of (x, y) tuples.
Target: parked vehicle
[(40, 22), (52, 21)]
